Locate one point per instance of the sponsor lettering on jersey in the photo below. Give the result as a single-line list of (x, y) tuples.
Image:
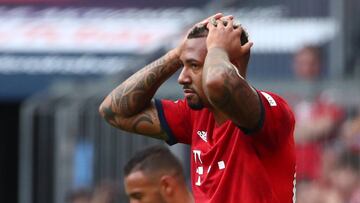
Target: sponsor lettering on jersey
[(202, 135)]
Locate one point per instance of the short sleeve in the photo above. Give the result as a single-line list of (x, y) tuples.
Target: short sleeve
[(175, 119), (278, 122)]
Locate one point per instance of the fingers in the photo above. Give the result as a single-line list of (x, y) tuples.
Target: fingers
[(236, 24), (246, 47), (238, 29), (212, 24), (229, 24), (220, 24), (216, 16), (223, 21), (230, 17), (215, 23), (227, 19)]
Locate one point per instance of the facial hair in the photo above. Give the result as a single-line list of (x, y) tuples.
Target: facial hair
[(195, 106)]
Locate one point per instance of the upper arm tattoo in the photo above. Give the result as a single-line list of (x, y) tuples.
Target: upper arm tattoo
[(148, 123)]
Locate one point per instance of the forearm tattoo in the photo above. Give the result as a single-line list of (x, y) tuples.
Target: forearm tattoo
[(136, 92), (236, 97), (149, 119), (235, 92), (131, 98)]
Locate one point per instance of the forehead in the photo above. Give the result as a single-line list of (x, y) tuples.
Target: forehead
[(194, 49)]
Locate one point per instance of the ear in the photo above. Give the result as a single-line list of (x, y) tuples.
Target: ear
[(167, 185)]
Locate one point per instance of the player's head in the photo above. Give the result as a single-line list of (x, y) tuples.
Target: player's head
[(307, 63), (201, 31), (154, 175), (193, 57)]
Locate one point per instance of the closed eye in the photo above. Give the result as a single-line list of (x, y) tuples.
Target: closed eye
[(136, 195), (194, 66)]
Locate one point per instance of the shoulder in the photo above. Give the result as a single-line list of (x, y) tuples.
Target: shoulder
[(276, 106), (271, 98)]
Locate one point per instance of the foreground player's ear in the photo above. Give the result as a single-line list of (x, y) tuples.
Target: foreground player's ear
[(167, 185)]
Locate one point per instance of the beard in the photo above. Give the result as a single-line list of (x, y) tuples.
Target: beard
[(195, 105), (194, 101)]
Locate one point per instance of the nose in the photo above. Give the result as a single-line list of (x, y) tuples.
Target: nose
[(184, 77)]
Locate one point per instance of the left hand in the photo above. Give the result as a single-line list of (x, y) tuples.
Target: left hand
[(227, 38)]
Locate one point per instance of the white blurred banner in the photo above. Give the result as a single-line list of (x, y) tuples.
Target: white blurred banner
[(78, 35), (144, 30), (92, 30)]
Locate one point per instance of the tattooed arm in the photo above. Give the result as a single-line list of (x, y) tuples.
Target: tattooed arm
[(223, 82), (129, 106)]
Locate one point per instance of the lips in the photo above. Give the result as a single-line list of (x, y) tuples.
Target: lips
[(189, 91)]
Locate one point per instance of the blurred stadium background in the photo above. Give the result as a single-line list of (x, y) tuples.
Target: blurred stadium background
[(59, 58)]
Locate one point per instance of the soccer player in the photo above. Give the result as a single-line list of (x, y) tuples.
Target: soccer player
[(241, 138), (155, 175)]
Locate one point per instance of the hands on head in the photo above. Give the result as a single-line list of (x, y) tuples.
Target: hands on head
[(201, 24), (222, 32)]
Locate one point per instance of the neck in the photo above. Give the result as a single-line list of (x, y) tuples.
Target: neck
[(183, 197), (219, 117)]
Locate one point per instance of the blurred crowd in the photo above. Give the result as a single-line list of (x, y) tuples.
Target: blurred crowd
[(327, 136), (104, 192)]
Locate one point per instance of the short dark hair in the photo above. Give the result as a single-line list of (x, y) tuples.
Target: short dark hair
[(202, 31), (157, 158)]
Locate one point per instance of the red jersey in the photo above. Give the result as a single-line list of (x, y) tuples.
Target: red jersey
[(233, 165)]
